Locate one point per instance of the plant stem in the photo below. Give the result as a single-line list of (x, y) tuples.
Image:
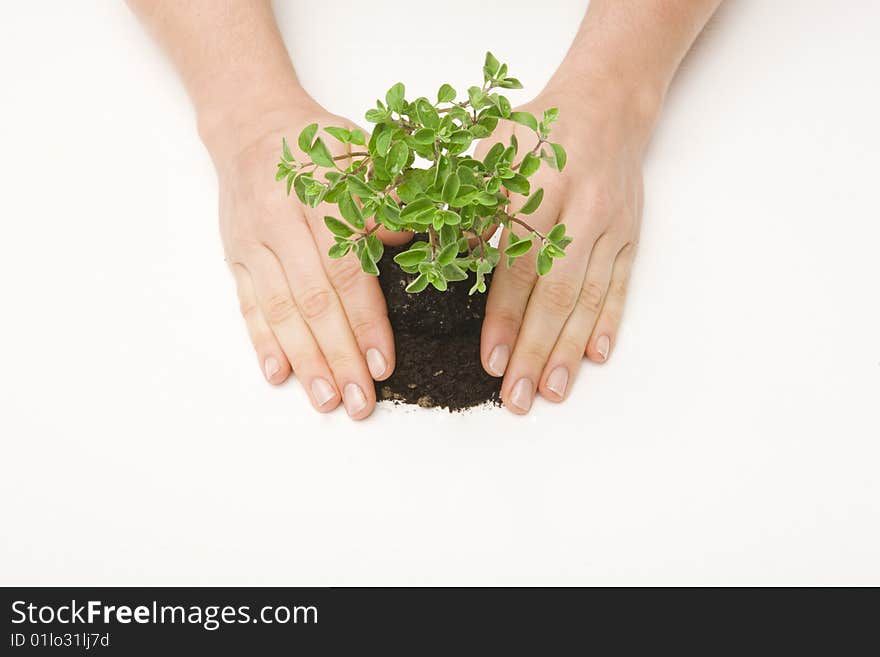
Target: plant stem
[(534, 151), (517, 220)]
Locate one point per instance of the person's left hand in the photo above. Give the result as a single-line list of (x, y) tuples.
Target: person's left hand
[(537, 330)]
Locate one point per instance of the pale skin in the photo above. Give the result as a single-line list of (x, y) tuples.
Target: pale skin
[(325, 320)]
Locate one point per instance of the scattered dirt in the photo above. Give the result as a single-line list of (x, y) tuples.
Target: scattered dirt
[(437, 343)]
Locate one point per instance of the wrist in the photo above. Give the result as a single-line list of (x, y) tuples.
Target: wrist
[(228, 125), (610, 97)]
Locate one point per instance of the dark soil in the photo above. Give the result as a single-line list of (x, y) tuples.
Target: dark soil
[(437, 343)]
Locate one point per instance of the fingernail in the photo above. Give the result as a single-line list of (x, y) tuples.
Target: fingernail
[(521, 397), (271, 367), (557, 381), (603, 346), (354, 399), (498, 360), (322, 391), (376, 362)]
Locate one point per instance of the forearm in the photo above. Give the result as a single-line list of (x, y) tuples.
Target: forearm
[(231, 58), (631, 50)]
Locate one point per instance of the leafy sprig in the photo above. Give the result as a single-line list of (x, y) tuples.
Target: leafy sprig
[(453, 201)]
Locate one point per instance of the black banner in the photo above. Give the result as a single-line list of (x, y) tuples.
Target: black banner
[(245, 621)]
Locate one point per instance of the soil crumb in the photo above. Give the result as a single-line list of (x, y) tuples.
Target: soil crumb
[(437, 343)]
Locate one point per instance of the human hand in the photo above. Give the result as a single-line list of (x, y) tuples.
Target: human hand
[(537, 330), (324, 320)]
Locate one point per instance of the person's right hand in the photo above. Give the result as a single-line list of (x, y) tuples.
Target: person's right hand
[(324, 320)]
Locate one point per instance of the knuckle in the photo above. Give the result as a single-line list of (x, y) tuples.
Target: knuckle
[(303, 361), (366, 325), (506, 317), (559, 296), (280, 307), (571, 347), (315, 302), (247, 308), (533, 354), (521, 274), (343, 361), (344, 273), (590, 298), (611, 316), (618, 289)]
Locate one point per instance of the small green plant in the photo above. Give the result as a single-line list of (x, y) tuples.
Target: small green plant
[(453, 200)]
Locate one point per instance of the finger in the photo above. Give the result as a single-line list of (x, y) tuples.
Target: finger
[(565, 360), (282, 315), (363, 302), (273, 362), (320, 307), (508, 297), (605, 332), (549, 307)]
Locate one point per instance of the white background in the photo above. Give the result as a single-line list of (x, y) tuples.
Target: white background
[(732, 438)]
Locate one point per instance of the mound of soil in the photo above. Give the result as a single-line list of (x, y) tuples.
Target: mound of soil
[(437, 343)]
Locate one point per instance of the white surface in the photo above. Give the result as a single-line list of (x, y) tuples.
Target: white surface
[(733, 437)]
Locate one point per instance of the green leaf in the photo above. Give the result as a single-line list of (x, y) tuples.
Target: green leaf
[(452, 272), (367, 262), (419, 284), (448, 235), (290, 178), (337, 227), (350, 210), (424, 136), (533, 202), (450, 188), (554, 251), (320, 154), (485, 198), (504, 106), (461, 137), (557, 233), (397, 157), (427, 114), (416, 207), (518, 184), (447, 217), (358, 137), (550, 115), (447, 254), (440, 283), (518, 248), (411, 257), (339, 249), (493, 156), (511, 83), (446, 94), (491, 66), (306, 137), (530, 164), (341, 134), (561, 157), (299, 185), (525, 118), (285, 151), (376, 115), (383, 142), (544, 263), (359, 187), (394, 97), (374, 246)]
